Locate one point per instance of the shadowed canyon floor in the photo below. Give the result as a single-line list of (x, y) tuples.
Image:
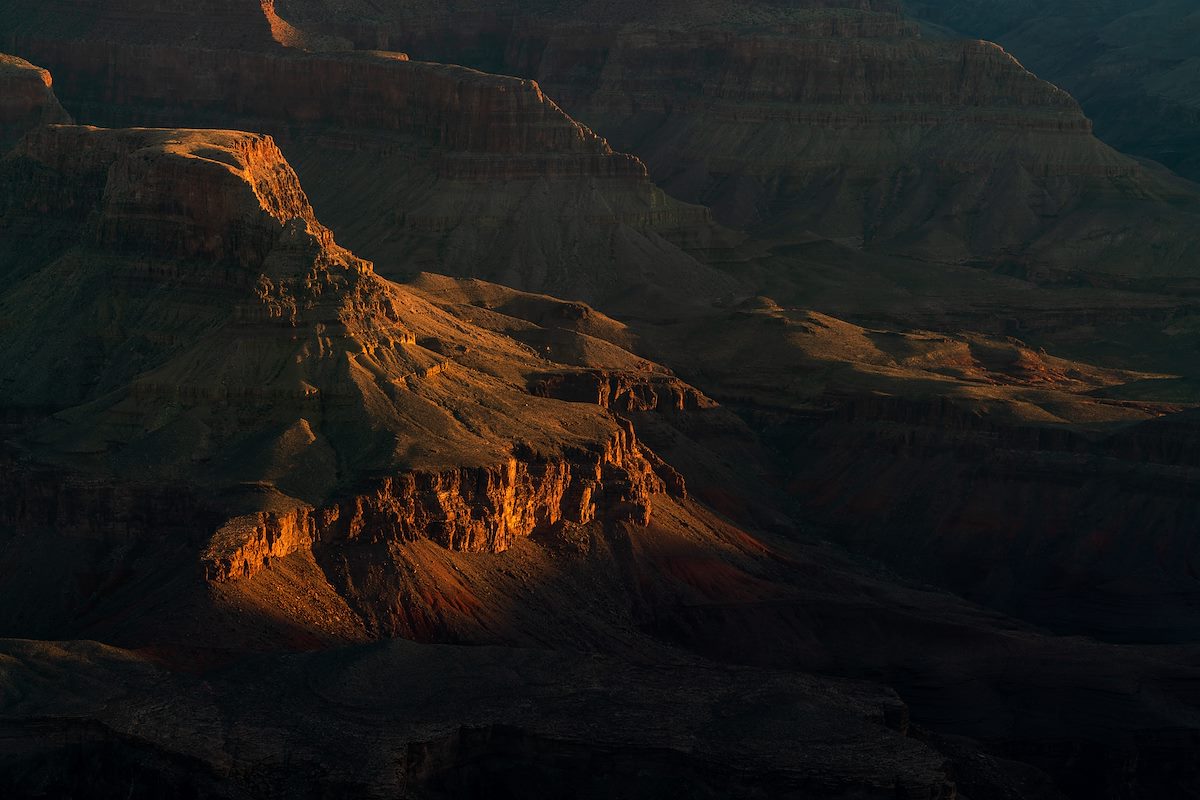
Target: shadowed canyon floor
[(352, 527)]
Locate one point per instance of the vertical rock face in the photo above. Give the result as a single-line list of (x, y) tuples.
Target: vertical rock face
[(138, 179), (452, 108), (1047, 525), (477, 510), (222, 23), (26, 100)]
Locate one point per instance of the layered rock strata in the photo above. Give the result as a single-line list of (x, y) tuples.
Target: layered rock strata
[(210, 337), (839, 118), (464, 171), (1023, 481), (1128, 63), (483, 509)]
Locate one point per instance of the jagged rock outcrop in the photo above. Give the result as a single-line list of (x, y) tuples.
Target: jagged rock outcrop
[(27, 100), (482, 509), (622, 392)]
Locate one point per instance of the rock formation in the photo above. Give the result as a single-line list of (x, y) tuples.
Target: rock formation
[(207, 332), (26, 100), (1126, 62), (864, 417), (242, 458), (416, 164), (580, 727), (833, 117)]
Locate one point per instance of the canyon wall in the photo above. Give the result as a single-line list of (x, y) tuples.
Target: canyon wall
[(470, 509), (1128, 63), (836, 118), (417, 165)]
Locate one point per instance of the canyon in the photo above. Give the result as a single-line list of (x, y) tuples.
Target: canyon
[(670, 362), (425, 143), (833, 117)]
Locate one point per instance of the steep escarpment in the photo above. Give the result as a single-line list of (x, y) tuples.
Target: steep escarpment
[(719, 458), (26, 100), (1046, 524), (470, 509), (457, 109), (249, 24), (840, 118), (133, 179), (211, 341), (417, 165)]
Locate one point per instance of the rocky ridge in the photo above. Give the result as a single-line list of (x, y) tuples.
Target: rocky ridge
[(209, 334), (1128, 63), (839, 118), (469, 169)]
